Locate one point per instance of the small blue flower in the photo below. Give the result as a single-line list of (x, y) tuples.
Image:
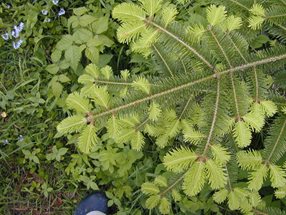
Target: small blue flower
[(61, 12), (45, 12), (5, 142), (5, 36), (8, 5), (55, 2), (17, 44), (20, 27), (15, 33), (47, 20), (20, 138)]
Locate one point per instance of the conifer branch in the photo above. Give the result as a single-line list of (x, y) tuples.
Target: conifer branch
[(192, 83), (185, 44), (214, 118), (163, 60), (276, 142)]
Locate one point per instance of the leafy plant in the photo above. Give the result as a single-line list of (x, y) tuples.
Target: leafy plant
[(203, 113)]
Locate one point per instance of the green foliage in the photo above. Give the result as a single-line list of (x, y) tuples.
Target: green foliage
[(194, 124), (221, 98)]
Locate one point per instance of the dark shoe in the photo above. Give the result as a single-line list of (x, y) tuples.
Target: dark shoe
[(94, 202)]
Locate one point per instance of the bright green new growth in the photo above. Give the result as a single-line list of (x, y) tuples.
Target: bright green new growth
[(215, 95)]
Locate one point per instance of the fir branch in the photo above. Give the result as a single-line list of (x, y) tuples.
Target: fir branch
[(276, 142), (163, 60), (185, 44), (190, 84)]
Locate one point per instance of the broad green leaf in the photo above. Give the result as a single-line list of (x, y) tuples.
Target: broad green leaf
[(194, 179), (179, 159), (57, 88), (73, 56), (86, 20), (53, 68), (71, 124), (92, 54), (77, 102), (65, 42), (82, 35), (87, 139), (79, 11), (101, 25), (56, 55)]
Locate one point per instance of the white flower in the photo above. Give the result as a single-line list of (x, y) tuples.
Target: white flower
[(55, 2), (45, 12), (5, 142), (47, 20), (61, 12), (5, 36), (17, 44)]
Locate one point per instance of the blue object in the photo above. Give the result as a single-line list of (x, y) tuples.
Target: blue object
[(94, 202)]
